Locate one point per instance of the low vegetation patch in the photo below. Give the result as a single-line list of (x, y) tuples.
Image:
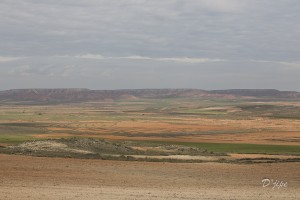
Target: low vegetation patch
[(99, 148), (240, 148), (91, 148)]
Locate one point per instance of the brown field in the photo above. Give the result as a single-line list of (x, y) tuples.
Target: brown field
[(158, 121), (175, 121), (287, 131), (24, 177)]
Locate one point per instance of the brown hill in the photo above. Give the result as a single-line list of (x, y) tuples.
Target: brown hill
[(258, 93), (77, 95)]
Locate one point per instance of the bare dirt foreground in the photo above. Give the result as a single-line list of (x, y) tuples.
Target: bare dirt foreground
[(25, 177)]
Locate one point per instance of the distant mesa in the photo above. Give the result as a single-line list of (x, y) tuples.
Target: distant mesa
[(258, 93), (80, 94)]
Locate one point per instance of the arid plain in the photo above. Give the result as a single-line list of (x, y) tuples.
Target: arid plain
[(155, 148)]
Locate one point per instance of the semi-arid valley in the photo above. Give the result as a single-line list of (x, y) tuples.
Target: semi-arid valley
[(149, 144)]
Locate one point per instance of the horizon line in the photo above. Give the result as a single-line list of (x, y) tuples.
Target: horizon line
[(77, 88)]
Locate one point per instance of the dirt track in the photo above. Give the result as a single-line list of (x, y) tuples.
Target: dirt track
[(24, 177)]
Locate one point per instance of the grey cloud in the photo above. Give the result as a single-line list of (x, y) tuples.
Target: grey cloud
[(8, 58), (170, 59), (204, 28), (147, 73), (150, 43)]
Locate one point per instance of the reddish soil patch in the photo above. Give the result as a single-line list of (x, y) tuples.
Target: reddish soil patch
[(255, 131)]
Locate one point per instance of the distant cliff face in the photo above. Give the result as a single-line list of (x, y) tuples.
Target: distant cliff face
[(88, 95), (77, 95), (258, 93)]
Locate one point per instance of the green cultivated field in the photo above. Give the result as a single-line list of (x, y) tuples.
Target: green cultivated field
[(239, 148)]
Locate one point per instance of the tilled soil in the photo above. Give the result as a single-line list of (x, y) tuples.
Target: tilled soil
[(25, 177)]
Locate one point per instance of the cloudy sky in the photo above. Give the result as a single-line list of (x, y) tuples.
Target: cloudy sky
[(117, 44)]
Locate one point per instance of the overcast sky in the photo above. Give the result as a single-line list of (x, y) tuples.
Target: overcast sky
[(118, 44)]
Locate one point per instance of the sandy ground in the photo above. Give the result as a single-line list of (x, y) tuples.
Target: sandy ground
[(24, 177)]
